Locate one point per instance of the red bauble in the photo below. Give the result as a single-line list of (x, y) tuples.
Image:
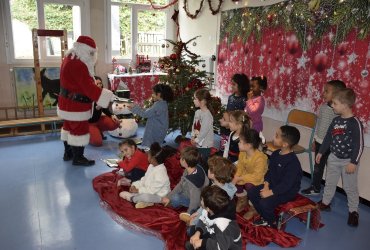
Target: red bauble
[(232, 47), (173, 56), (342, 48), (222, 57), (292, 44), (246, 48), (320, 62), (270, 17), (162, 66)]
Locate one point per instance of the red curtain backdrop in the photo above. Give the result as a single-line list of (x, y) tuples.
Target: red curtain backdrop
[(296, 77)]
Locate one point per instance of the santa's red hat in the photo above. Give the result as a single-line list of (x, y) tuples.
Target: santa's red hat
[(87, 40)]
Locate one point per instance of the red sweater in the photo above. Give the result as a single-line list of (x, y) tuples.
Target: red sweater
[(138, 160)]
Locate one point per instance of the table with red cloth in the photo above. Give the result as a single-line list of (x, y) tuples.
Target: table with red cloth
[(140, 85), (164, 222)]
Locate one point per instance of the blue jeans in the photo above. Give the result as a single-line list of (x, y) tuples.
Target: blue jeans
[(178, 200)]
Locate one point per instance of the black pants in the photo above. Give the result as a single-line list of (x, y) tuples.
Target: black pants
[(318, 169), (266, 206), (135, 174)]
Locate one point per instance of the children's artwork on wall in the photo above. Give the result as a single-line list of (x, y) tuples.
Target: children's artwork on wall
[(26, 86), (295, 76)]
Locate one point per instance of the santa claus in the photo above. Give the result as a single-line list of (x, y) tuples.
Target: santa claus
[(78, 91)]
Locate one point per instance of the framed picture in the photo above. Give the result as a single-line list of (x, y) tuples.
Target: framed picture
[(25, 86)]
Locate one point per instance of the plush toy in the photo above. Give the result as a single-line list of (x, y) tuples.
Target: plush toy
[(128, 125)]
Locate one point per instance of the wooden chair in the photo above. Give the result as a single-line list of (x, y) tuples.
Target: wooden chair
[(308, 121)]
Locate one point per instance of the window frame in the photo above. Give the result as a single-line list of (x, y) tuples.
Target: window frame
[(135, 7), (9, 40)]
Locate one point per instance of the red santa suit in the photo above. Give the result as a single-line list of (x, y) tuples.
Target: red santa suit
[(78, 92)]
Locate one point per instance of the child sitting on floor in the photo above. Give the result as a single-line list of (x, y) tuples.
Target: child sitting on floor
[(221, 172), (154, 185), (187, 191), (134, 164), (250, 169), (217, 227), (282, 180)]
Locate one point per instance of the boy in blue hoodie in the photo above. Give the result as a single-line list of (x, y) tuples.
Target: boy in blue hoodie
[(282, 180), (187, 191)]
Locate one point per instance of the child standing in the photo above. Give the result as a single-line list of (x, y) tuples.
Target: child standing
[(346, 142), (217, 227), (187, 191), (154, 185), (157, 116), (282, 180), (240, 88), (202, 135), (238, 120), (324, 117), (256, 102), (236, 101), (250, 169), (134, 164)]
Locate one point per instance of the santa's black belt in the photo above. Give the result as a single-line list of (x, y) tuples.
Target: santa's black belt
[(74, 96)]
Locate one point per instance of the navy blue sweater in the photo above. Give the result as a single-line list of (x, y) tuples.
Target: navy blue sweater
[(345, 138), (284, 173)]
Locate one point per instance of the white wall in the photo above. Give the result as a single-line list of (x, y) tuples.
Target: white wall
[(207, 26)]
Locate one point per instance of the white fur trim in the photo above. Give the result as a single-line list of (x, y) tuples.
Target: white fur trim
[(74, 116), (78, 140), (64, 135), (105, 97), (222, 223)]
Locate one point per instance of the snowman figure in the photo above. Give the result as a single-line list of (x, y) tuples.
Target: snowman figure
[(128, 125)]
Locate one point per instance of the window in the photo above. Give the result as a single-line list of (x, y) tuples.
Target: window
[(24, 15), (136, 28)]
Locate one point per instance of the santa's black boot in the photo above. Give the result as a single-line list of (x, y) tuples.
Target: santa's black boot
[(68, 155), (78, 157)]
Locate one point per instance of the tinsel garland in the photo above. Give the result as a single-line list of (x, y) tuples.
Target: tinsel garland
[(192, 16), (314, 17)]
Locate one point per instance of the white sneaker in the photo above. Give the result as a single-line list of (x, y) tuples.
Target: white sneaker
[(126, 195)]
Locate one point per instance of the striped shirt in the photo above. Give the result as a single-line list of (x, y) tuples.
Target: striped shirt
[(324, 118), (345, 138)]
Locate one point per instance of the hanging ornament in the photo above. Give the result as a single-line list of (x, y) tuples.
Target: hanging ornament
[(246, 48), (163, 45), (213, 58), (232, 47), (320, 62), (194, 44), (167, 45), (342, 48), (364, 73), (203, 65), (270, 18), (222, 57), (292, 44), (173, 56)]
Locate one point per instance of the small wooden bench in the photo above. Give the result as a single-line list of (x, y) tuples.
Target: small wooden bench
[(51, 120)]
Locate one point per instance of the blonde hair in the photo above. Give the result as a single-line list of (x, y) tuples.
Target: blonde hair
[(242, 118)]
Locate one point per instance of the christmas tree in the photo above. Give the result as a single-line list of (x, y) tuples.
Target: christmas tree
[(185, 77)]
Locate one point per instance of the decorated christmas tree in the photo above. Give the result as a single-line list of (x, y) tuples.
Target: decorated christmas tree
[(185, 76)]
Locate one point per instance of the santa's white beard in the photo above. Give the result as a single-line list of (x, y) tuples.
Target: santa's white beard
[(86, 54)]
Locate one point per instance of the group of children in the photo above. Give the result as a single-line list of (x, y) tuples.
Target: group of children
[(241, 169)]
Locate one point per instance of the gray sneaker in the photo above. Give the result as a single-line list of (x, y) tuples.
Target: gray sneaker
[(310, 191)]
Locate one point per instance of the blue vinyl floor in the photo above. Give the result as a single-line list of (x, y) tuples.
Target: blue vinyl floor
[(48, 204)]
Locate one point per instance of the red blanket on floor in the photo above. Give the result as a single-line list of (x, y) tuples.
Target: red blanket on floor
[(164, 222)]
